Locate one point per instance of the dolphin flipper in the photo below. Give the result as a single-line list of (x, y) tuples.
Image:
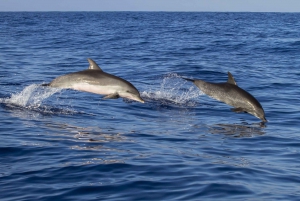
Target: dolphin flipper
[(112, 96), (237, 110)]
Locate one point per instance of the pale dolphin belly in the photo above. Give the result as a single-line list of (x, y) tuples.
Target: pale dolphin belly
[(96, 89)]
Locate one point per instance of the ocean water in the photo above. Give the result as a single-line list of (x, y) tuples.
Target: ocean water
[(180, 145)]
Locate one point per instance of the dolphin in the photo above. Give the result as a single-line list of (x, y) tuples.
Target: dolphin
[(231, 94), (95, 80)]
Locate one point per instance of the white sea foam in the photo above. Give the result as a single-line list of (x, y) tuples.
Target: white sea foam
[(174, 90)]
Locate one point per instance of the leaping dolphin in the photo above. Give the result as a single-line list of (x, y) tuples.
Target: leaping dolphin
[(95, 80), (231, 94)]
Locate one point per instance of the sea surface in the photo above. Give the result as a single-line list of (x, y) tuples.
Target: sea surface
[(180, 145)]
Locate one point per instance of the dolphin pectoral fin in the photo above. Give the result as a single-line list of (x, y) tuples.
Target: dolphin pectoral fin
[(112, 96), (237, 110)]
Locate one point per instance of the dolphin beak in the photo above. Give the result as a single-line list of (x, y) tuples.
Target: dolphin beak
[(141, 100)]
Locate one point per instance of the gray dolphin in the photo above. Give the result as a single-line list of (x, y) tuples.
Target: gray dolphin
[(95, 80), (231, 94)]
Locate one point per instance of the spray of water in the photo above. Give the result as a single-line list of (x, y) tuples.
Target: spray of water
[(35, 100), (32, 96), (173, 90)]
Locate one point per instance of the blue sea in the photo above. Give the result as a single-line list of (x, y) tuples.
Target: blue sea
[(181, 144)]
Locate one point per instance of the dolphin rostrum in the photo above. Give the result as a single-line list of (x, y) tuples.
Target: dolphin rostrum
[(229, 93), (95, 80)]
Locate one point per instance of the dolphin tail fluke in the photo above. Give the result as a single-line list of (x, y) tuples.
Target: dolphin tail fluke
[(188, 79)]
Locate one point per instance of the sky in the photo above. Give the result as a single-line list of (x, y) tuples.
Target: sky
[(152, 5)]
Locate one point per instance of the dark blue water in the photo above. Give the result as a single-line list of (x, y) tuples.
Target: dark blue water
[(179, 145)]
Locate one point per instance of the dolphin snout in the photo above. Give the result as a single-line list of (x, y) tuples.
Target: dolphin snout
[(141, 100)]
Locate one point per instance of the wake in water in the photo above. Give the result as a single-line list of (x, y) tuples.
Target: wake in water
[(173, 91), (31, 98)]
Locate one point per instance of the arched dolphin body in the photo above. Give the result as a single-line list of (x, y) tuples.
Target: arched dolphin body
[(231, 94), (95, 80)]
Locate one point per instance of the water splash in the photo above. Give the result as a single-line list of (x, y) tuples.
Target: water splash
[(173, 90), (32, 96), (29, 103)]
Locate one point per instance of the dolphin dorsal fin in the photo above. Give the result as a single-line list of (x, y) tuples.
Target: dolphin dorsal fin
[(93, 65), (231, 79)]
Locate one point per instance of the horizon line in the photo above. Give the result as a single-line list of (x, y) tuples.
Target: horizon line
[(154, 11)]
